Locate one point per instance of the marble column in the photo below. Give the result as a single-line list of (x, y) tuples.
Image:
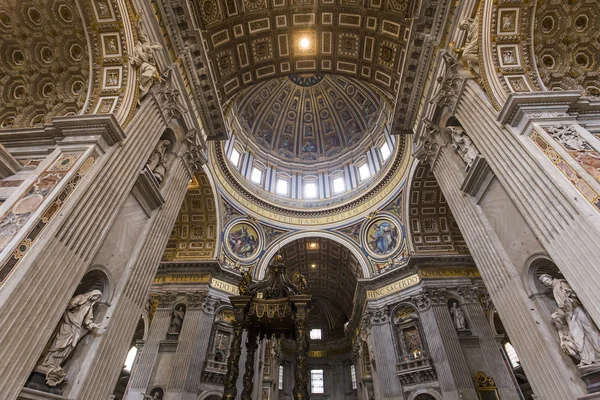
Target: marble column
[(192, 347), (301, 385), (382, 340), (490, 348), (442, 340), (146, 360), (549, 374)]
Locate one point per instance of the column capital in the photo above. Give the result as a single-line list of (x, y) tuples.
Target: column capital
[(428, 142), (470, 294), (195, 299), (376, 316), (430, 296), (210, 304), (166, 299)]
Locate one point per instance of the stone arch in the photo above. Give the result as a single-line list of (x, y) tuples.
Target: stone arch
[(274, 248), (210, 395), (431, 225), (97, 278), (425, 394)]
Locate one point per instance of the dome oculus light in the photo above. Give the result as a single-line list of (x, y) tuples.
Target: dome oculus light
[(304, 43)]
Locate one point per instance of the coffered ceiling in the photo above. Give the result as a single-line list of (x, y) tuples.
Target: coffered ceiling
[(330, 268), (251, 40)]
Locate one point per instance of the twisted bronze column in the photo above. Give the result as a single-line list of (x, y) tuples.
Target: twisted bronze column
[(251, 345), (233, 369), (301, 369)]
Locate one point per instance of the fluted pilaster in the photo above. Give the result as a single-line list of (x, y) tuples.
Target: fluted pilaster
[(550, 377)]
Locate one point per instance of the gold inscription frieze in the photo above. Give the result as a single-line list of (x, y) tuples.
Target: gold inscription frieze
[(395, 287), (196, 278), (448, 272)]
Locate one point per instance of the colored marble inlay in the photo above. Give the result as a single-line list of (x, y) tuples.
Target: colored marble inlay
[(580, 184), (47, 181)]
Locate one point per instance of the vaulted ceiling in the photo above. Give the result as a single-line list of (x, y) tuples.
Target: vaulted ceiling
[(252, 40), (330, 268)]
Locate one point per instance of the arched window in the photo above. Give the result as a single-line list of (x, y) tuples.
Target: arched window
[(130, 359)]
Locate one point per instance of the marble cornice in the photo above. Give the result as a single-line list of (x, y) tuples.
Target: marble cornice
[(212, 267)]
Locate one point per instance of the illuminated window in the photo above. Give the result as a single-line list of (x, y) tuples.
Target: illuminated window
[(512, 354), (316, 381), (256, 175), (282, 187), (234, 157), (315, 334), (310, 190), (364, 172), (339, 185), (280, 384), (353, 376), (385, 151), (130, 359)]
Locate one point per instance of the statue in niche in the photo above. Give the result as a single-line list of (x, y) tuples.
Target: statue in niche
[(177, 320), (459, 317), (76, 322), (463, 145), (470, 51), (143, 57), (579, 336), (157, 162)]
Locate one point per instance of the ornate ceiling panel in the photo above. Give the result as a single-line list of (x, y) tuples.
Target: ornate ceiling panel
[(313, 117), (44, 63), (194, 234), (252, 40), (432, 225), (330, 268), (567, 45)]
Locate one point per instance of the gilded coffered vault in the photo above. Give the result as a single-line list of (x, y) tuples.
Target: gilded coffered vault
[(195, 233)]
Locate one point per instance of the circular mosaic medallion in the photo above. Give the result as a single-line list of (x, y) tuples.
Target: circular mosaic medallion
[(243, 241), (383, 237)]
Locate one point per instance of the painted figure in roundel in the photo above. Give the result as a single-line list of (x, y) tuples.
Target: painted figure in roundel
[(382, 237), (243, 240)]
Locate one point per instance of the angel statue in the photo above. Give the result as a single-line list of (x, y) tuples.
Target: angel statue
[(470, 51), (245, 283), (143, 57), (300, 283), (579, 336), (76, 322)]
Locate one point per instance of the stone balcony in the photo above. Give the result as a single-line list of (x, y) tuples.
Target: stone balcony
[(416, 371)]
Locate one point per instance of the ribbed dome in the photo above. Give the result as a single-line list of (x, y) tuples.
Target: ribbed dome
[(312, 117)]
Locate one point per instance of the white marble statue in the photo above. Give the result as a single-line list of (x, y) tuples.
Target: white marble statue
[(579, 336), (76, 322), (463, 145), (157, 162), (470, 51), (459, 317), (143, 57)]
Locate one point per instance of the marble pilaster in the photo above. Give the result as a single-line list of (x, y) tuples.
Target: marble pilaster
[(490, 348), (551, 377), (140, 375), (385, 359), (442, 339)]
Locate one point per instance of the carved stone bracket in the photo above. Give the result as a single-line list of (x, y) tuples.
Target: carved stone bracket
[(169, 97), (193, 157)]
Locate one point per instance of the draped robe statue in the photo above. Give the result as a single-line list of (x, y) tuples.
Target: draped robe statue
[(76, 322), (459, 317), (157, 162), (579, 336), (470, 51), (143, 58)]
